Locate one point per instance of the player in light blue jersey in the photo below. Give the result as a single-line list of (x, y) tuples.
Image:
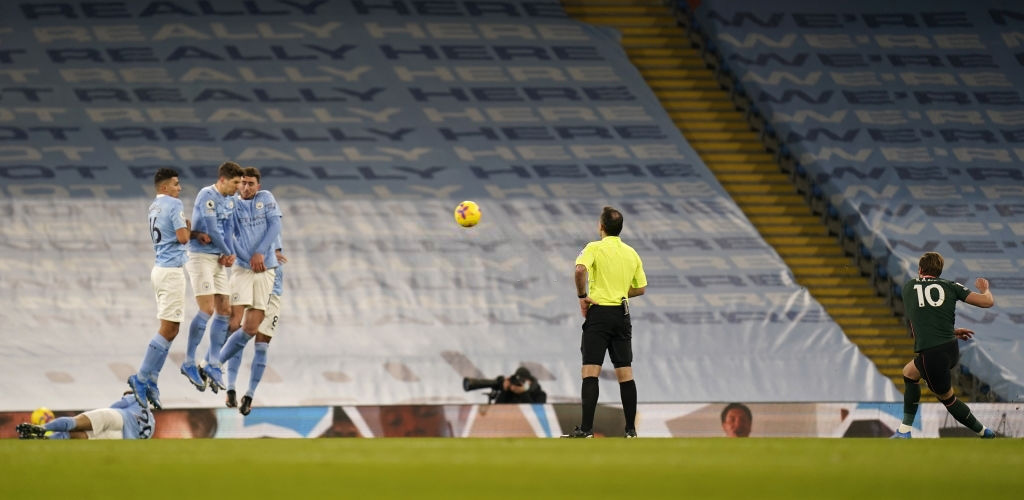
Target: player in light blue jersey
[(210, 256), (267, 329), (169, 230), (125, 419), (257, 227)]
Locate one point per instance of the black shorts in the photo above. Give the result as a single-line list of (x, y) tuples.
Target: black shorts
[(935, 364), (607, 328)]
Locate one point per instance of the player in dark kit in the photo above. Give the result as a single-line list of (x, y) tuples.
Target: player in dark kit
[(930, 304)]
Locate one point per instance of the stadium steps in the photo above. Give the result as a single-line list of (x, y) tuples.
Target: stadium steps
[(720, 133), (798, 240), (834, 302), (681, 60), (660, 82), (694, 121)]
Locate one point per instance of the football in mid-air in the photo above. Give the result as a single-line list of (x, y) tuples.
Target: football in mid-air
[(41, 416), (467, 214)]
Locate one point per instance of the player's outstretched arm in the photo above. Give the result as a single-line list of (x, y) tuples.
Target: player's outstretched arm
[(983, 297), (963, 333)]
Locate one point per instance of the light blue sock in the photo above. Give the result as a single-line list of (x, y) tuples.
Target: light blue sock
[(62, 424), (153, 362), (196, 330), (234, 364), (234, 345), (259, 363), (218, 334)]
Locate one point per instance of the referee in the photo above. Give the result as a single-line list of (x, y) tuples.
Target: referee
[(615, 274)]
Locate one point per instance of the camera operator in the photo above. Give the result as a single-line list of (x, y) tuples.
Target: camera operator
[(520, 387)]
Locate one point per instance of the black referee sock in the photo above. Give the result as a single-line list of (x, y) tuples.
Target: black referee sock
[(628, 392), (589, 395)]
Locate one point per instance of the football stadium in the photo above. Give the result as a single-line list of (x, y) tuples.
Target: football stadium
[(336, 220)]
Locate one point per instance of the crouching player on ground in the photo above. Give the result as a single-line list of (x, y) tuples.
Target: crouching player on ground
[(125, 419)]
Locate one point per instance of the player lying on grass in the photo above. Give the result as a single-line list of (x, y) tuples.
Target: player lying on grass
[(125, 419)]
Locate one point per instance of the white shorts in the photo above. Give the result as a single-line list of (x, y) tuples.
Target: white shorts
[(207, 276), (273, 314), (169, 288), (251, 289), (107, 423)]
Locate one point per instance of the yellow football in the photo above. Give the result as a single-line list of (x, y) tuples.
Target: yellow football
[(467, 214), (41, 416)]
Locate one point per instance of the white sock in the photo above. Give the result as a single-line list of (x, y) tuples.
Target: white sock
[(904, 428), (982, 431)]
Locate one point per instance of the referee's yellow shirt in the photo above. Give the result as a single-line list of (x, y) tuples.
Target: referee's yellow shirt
[(613, 267)]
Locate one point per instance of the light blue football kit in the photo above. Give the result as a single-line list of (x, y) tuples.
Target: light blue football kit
[(166, 217), (259, 360), (213, 214), (257, 230), (138, 421), (257, 226)]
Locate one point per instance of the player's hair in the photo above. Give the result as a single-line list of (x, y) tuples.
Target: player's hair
[(162, 175), (737, 406), (202, 422), (251, 172), (931, 264), (611, 220), (229, 170)]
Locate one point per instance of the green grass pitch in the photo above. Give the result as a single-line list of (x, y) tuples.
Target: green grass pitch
[(514, 468)]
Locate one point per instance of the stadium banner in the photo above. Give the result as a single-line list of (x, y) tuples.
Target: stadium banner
[(371, 120), (691, 420), (909, 120), (396, 305)]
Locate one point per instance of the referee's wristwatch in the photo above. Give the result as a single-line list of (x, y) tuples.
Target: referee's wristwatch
[(582, 296)]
